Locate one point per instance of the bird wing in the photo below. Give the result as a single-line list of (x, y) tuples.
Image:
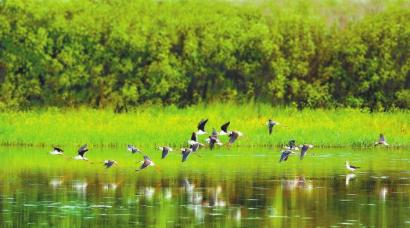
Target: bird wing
[(193, 136), (58, 149), (131, 148), (185, 155), (194, 147), (201, 125), (145, 164), (284, 156), (225, 127), (382, 139), (82, 150), (232, 137), (270, 128), (303, 151), (354, 167), (212, 141), (108, 163), (165, 151)]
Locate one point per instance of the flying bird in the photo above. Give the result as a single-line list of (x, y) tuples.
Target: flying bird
[(110, 163), (145, 163), (57, 151), (304, 149), (233, 136), (351, 167), (382, 141), (213, 139), (292, 145), (271, 124), (201, 127), (194, 147), (194, 140), (165, 150), (185, 153), (81, 152), (224, 129), (133, 149), (285, 155)]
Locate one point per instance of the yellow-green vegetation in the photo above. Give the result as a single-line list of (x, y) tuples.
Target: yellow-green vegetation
[(120, 53), (147, 127)]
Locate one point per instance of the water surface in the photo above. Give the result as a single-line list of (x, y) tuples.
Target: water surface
[(236, 187)]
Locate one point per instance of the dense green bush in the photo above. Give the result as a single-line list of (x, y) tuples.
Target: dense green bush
[(120, 54)]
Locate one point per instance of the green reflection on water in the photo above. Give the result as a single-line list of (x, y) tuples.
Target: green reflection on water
[(236, 187)]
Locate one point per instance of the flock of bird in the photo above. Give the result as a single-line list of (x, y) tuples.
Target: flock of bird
[(194, 145)]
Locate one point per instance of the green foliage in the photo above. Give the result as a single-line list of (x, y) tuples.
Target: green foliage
[(122, 54)]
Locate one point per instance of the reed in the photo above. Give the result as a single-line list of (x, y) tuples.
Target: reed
[(149, 127)]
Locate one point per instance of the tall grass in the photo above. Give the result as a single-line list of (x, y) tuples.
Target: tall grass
[(150, 126)]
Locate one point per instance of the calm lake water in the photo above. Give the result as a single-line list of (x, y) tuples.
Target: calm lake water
[(236, 187)]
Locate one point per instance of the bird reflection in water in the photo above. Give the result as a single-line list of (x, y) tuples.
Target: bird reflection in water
[(148, 192), (383, 193), (349, 177), (167, 193), (56, 182), (214, 198), (298, 182), (80, 186), (110, 186)]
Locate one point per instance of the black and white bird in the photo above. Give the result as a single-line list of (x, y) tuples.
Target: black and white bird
[(382, 141), (194, 147), (351, 167), (292, 145), (224, 129), (133, 149), (303, 149), (145, 163), (185, 153), (165, 150), (57, 151), (81, 152), (110, 163), (233, 136), (194, 140), (201, 127), (285, 155), (271, 124), (213, 139)]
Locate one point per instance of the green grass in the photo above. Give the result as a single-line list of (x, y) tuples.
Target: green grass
[(147, 127)]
